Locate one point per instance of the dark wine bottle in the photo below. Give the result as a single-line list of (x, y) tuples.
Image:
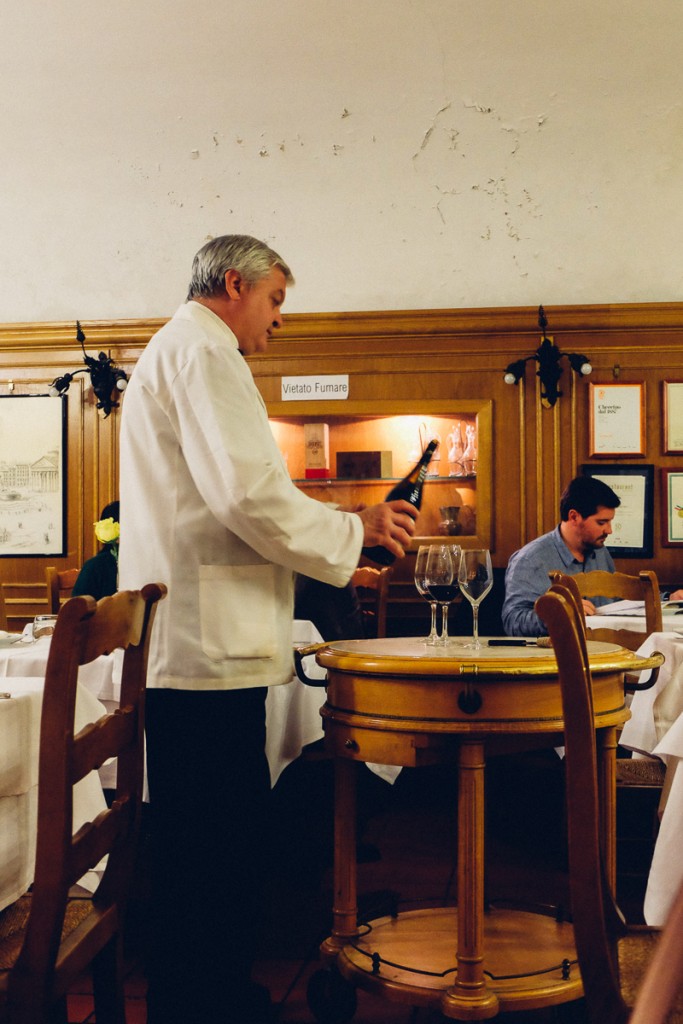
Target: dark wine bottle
[(409, 489)]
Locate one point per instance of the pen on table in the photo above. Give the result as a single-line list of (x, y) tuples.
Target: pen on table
[(513, 642)]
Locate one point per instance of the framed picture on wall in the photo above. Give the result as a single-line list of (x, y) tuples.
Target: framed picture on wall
[(672, 507), (32, 476), (632, 526), (617, 419), (673, 417)]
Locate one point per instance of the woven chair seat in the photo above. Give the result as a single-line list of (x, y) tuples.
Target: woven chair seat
[(640, 772), (13, 923)]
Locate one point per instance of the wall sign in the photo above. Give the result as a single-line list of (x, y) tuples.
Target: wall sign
[(330, 387), (632, 530), (672, 507), (673, 417), (617, 419)]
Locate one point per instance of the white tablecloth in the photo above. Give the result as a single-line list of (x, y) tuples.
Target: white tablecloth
[(656, 728), (292, 710), (654, 711), (671, 621), (19, 742), (292, 720)]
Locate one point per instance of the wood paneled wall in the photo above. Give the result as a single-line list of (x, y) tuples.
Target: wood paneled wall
[(396, 355)]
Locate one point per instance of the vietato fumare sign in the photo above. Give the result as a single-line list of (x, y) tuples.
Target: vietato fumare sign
[(330, 387)]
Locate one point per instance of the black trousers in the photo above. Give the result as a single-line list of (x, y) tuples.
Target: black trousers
[(209, 791)]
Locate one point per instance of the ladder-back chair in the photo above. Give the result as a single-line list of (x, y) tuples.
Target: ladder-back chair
[(372, 587), (612, 957), (47, 938), (621, 587), (59, 586)]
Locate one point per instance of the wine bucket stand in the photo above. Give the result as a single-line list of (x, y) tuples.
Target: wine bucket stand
[(396, 701)]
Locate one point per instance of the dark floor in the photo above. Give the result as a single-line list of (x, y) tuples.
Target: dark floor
[(407, 851)]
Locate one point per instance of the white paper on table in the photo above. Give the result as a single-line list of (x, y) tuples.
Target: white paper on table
[(635, 608)]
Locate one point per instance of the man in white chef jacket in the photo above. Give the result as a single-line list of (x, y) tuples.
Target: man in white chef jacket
[(210, 510)]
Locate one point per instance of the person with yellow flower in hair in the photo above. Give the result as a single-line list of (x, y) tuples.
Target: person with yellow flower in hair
[(99, 575)]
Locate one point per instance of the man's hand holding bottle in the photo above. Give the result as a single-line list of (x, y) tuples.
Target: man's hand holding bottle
[(388, 526)]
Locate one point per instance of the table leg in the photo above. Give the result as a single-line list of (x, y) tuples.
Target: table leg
[(469, 998), (607, 762), (345, 910)]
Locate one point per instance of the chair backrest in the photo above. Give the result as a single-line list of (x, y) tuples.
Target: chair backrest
[(372, 586), (597, 921), (47, 964), (22, 601), (59, 586), (620, 586)]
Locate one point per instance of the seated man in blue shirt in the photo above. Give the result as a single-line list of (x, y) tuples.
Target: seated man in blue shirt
[(576, 545)]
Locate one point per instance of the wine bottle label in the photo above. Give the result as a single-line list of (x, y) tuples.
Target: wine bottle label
[(409, 489)]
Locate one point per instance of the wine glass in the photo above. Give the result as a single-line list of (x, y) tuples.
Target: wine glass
[(442, 582), (422, 589), (475, 577)]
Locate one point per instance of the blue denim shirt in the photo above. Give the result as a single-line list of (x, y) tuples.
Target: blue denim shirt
[(526, 578)]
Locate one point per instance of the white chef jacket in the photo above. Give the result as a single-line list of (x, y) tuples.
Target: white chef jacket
[(209, 509)]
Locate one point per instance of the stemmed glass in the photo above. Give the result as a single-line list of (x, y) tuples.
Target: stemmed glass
[(475, 577), (441, 579), (421, 585)]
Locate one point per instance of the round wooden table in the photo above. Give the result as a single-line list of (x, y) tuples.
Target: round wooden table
[(397, 701)]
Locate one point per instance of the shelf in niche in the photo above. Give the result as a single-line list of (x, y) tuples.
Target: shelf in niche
[(374, 480), (395, 426)]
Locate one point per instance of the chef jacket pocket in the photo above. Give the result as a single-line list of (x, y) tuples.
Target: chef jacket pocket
[(237, 611)]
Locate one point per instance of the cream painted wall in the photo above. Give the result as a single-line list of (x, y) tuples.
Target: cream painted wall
[(399, 154)]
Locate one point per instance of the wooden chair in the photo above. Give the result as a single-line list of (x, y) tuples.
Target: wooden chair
[(59, 586), (22, 601), (621, 587), (46, 938), (633, 639), (643, 777), (372, 586), (3, 611), (612, 957)]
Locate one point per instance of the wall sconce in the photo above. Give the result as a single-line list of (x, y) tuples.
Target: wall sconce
[(105, 377), (548, 357)]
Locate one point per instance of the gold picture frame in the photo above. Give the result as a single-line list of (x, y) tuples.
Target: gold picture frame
[(673, 416), (617, 420)]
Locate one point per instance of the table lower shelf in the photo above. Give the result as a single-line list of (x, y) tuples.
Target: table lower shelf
[(411, 959)]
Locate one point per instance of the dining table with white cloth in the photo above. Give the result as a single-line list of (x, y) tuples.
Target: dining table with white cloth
[(624, 617), (21, 699), (292, 720), (655, 729), (292, 709)]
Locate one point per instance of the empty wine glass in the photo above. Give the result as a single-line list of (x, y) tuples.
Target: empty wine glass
[(442, 581), (422, 589), (475, 577)]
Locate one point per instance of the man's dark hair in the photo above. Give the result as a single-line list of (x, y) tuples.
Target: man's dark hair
[(586, 494)]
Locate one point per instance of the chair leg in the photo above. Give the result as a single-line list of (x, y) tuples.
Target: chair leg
[(59, 1011), (108, 989)]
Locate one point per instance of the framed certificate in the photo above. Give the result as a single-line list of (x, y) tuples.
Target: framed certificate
[(632, 526), (672, 508), (673, 417), (617, 419)]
